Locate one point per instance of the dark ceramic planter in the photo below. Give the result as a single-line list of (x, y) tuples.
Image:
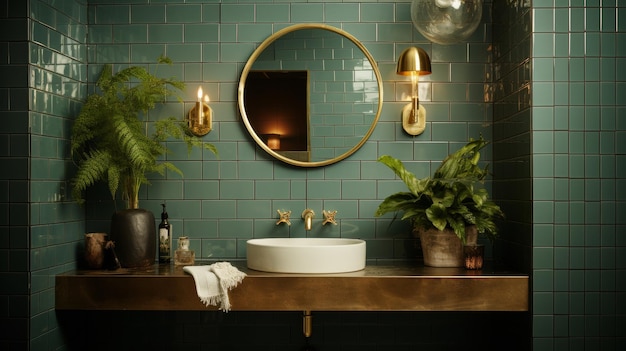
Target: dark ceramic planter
[(134, 233)]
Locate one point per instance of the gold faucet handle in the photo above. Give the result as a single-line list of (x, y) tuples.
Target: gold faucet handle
[(284, 217), (329, 217)]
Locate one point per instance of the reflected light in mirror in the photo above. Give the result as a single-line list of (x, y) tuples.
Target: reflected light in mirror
[(273, 141)]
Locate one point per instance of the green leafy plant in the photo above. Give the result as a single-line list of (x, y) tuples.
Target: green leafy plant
[(110, 142), (451, 198)]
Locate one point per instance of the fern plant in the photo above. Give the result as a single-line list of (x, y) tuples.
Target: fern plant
[(451, 198), (110, 142)]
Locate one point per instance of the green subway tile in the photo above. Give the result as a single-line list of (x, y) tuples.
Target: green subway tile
[(358, 189), (268, 189), (592, 19), (543, 44), (592, 46), (210, 13), (219, 209), (323, 189), (112, 53), (543, 303), (236, 52), (165, 33), (448, 53), (577, 45), (222, 248), (468, 72), (543, 257), (561, 235), (185, 53), (237, 13), (307, 13), (577, 18), (403, 151), (235, 228), (543, 94), (219, 72), (147, 14), (543, 69), (561, 93), (254, 209), (607, 95), (201, 190), (543, 280), (165, 189), (377, 12), (236, 189), (561, 258), (395, 32), (561, 20), (607, 46), (255, 170), (543, 142), (272, 13), (183, 13), (607, 166), (201, 33), (132, 33), (112, 14), (543, 189), (367, 32), (345, 170), (97, 34), (345, 208), (543, 20), (430, 151), (543, 211), (335, 12), (254, 33)]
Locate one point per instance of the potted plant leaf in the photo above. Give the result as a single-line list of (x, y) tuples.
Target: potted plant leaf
[(110, 143), (448, 209)]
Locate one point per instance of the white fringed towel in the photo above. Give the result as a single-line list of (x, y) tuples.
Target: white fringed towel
[(214, 281)]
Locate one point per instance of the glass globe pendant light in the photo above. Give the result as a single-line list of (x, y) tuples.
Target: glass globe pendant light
[(446, 21)]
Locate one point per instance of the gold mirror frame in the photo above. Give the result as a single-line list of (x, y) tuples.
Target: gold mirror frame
[(259, 51)]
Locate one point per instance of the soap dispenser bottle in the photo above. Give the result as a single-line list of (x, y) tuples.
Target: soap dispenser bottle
[(165, 238)]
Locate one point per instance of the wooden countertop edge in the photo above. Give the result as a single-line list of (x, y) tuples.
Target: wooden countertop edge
[(364, 291)]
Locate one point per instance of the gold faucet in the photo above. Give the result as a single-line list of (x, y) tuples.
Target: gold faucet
[(329, 217), (308, 216), (284, 217)]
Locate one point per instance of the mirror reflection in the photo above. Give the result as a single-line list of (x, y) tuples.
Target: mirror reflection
[(310, 95)]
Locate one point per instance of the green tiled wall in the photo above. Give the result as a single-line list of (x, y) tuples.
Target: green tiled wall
[(210, 44), (43, 56), (14, 152), (553, 112), (578, 183)]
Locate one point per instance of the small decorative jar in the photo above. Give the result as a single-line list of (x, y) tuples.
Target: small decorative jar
[(183, 256), (474, 256)]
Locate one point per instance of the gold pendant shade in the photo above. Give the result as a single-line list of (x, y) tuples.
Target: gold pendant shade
[(413, 60)]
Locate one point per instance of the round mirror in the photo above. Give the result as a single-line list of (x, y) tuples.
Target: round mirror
[(310, 95)]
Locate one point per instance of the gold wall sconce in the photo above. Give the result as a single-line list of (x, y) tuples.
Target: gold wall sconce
[(200, 117), (414, 62)]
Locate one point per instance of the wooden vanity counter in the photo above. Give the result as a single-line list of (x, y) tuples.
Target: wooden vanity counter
[(376, 288)]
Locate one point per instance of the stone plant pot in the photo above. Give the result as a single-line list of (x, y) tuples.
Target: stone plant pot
[(444, 248), (441, 248), (134, 233)]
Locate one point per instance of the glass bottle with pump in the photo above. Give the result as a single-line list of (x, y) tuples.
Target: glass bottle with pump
[(165, 238)]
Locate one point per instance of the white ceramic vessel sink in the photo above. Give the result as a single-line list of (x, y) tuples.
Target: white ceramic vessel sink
[(306, 255)]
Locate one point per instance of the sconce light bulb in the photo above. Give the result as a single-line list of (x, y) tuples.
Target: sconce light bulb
[(206, 98), (200, 93)]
